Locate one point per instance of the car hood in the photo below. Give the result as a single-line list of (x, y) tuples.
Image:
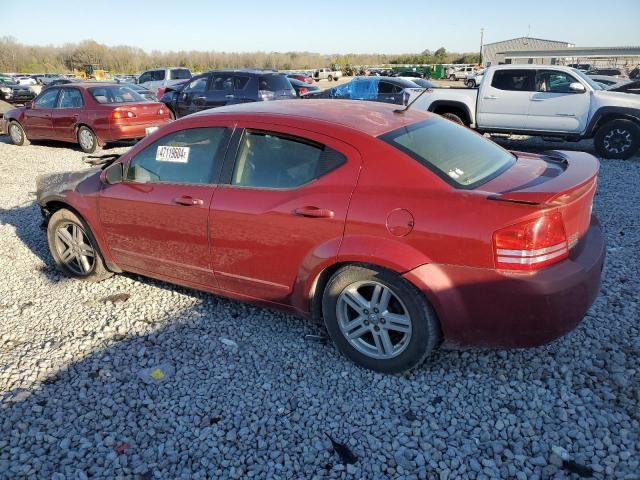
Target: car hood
[(56, 184), (605, 98)]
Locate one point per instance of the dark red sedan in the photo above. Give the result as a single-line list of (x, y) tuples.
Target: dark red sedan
[(89, 114), (399, 230)]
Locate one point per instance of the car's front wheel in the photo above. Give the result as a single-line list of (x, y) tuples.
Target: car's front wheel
[(617, 139), (471, 83), (378, 319), (87, 140), (17, 134), (73, 247)]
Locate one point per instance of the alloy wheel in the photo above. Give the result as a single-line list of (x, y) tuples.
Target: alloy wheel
[(617, 141), (374, 320), (74, 248)]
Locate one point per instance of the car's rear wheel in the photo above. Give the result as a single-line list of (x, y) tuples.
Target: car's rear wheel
[(452, 78), (471, 84), (87, 140), (617, 139), (17, 134), (74, 248), (378, 319)]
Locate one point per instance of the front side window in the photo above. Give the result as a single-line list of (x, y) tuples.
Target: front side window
[(70, 98), (516, 80), (188, 156), (460, 156), (240, 83), (115, 94), (158, 75), (145, 77), (47, 99), (268, 160), (553, 81), (198, 85)]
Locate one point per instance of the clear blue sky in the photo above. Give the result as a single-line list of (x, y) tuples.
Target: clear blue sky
[(357, 26)]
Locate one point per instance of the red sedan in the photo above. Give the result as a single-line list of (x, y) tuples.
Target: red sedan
[(399, 230), (87, 114), (300, 77)]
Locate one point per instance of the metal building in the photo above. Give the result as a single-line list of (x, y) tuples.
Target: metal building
[(494, 53), (597, 56)]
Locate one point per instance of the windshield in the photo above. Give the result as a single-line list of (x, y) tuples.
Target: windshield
[(586, 78), (115, 94), (460, 156)]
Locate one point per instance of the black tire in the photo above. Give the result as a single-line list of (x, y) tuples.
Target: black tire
[(453, 117), (617, 139), (87, 140), (330, 78), (172, 115), (425, 330), (335, 79), (452, 78), (471, 84), (65, 219), (17, 134)]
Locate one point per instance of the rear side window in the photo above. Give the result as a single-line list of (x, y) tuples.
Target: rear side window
[(239, 83), (70, 98), (115, 94), (462, 157), (187, 156), (221, 82), (268, 160), (274, 83), (516, 80), (179, 74)]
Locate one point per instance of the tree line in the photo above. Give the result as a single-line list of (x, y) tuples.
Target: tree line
[(18, 57)]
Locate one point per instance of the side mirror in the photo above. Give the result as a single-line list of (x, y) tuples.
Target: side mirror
[(577, 87), (29, 105), (113, 174)]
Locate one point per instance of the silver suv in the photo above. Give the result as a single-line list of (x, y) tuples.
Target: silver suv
[(163, 77)]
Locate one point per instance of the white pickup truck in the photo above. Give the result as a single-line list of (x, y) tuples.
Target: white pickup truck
[(544, 100), (326, 74)]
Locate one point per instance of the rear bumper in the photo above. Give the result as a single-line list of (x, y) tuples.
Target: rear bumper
[(493, 308), (129, 132)]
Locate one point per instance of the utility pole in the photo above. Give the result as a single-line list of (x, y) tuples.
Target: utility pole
[(481, 39)]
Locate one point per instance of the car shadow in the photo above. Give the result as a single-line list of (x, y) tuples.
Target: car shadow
[(66, 145)]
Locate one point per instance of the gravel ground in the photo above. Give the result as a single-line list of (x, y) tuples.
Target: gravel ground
[(241, 393)]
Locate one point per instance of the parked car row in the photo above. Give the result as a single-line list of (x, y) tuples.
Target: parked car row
[(89, 114)]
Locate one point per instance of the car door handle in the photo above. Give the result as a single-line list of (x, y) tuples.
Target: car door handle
[(490, 97), (229, 96), (537, 99), (188, 201), (314, 212)]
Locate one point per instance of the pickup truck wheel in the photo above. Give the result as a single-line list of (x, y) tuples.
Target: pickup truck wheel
[(471, 84), (18, 137), (452, 78), (617, 139), (453, 117), (330, 78)]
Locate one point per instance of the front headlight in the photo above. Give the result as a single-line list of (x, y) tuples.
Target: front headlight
[(5, 90)]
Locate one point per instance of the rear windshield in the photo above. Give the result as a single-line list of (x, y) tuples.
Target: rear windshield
[(460, 156), (115, 94), (179, 74), (274, 83)]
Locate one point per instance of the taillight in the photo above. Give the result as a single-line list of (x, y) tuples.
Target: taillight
[(160, 92), (405, 98), (531, 245), (266, 94), (303, 90), (119, 114), (161, 112)]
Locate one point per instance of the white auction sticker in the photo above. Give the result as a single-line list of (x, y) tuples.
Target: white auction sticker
[(172, 154)]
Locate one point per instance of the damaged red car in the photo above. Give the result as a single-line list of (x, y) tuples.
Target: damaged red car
[(400, 230), (89, 114)]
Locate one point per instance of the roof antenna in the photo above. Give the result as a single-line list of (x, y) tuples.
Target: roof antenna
[(402, 110)]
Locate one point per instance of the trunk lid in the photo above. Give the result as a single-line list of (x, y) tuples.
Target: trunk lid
[(565, 180)]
